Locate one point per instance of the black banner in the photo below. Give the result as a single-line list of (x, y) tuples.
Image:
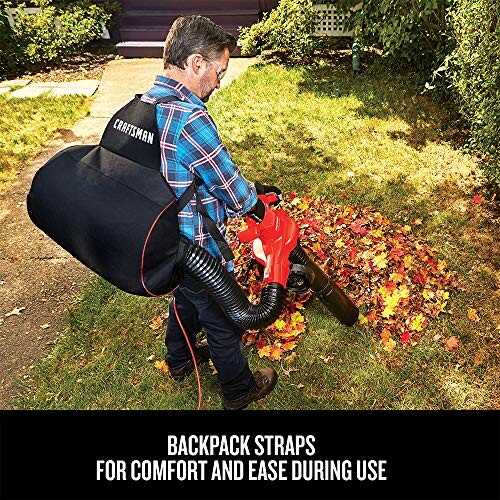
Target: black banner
[(251, 454)]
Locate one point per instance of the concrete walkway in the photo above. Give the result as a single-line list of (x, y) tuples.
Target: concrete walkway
[(53, 89), (38, 279)]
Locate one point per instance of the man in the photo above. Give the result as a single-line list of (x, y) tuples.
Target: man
[(196, 56)]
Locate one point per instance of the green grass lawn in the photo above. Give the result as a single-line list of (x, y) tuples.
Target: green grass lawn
[(372, 140), (28, 125)]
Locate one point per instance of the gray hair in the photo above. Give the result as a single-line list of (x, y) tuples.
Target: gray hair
[(195, 35)]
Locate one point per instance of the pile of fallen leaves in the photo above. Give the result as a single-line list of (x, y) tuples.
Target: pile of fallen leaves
[(382, 267)]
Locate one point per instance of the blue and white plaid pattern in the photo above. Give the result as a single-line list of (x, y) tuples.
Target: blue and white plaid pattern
[(190, 144)]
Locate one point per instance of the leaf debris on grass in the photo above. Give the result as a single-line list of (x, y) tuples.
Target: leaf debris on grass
[(380, 264)]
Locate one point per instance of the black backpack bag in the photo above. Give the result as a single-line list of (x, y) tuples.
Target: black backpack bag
[(111, 208)]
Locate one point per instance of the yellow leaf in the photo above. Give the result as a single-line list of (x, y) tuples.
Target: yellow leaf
[(427, 294), (446, 295), (380, 260), (340, 243), (396, 277), (162, 365), (264, 351), (416, 324), (387, 312), (362, 319), (376, 233), (391, 300), (442, 265), (303, 206), (390, 345), (384, 292), (407, 228), (326, 359), (327, 229), (407, 260), (296, 317), (279, 324), (403, 292), (472, 315)]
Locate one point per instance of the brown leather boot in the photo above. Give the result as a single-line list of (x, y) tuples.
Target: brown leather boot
[(202, 354), (265, 381)]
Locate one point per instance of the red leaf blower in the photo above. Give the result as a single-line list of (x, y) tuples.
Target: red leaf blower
[(275, 246)]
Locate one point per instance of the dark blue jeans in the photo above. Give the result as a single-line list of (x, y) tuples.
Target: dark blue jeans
[(197, 309)]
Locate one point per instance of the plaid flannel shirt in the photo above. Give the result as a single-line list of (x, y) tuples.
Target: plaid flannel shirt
[(191, 146)]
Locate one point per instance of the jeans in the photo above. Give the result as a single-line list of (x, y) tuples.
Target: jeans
[(197, 309)]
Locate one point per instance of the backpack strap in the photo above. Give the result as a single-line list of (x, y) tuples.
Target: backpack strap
[(168, 98), (211, 225), (188, 194)]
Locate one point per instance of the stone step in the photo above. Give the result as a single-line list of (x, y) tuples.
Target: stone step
[(139, 48), (157, 33)]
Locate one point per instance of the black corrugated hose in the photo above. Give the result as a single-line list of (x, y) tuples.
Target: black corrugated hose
[(199, 264)]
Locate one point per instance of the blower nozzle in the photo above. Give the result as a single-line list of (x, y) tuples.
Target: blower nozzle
[(305, 274)]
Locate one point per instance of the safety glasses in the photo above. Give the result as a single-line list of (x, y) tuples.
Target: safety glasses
[(220, 71)]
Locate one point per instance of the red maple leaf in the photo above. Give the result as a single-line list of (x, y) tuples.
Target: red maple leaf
[(353, 251), (420, 278), (451, 343), (405, 337), (357, 228), (396, 253), (391, 286)]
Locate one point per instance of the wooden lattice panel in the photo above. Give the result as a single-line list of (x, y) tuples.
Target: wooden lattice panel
[(330, 22)]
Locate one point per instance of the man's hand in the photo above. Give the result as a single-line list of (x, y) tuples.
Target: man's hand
[(268, 189)]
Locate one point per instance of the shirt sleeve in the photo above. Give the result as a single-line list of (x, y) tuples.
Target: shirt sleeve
[(200, 150)]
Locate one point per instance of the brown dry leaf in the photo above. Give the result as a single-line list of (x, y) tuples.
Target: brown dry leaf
[(300, 385), (451, 343), (15, 312), (212, 367), (326, 359), (288, 359), (156, 323)]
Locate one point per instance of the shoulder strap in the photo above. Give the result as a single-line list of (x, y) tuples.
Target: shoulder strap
[(188, 194), (168, 98), (211, 225)]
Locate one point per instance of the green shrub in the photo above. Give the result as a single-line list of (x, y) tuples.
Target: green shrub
[(410, 33), (289, 28), (8, 53), (475, 75), (59, 30)]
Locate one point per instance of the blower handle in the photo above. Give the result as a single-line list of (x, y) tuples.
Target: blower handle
[(273, 239)]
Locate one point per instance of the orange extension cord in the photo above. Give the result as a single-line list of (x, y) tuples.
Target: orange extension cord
[(192, 355)]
